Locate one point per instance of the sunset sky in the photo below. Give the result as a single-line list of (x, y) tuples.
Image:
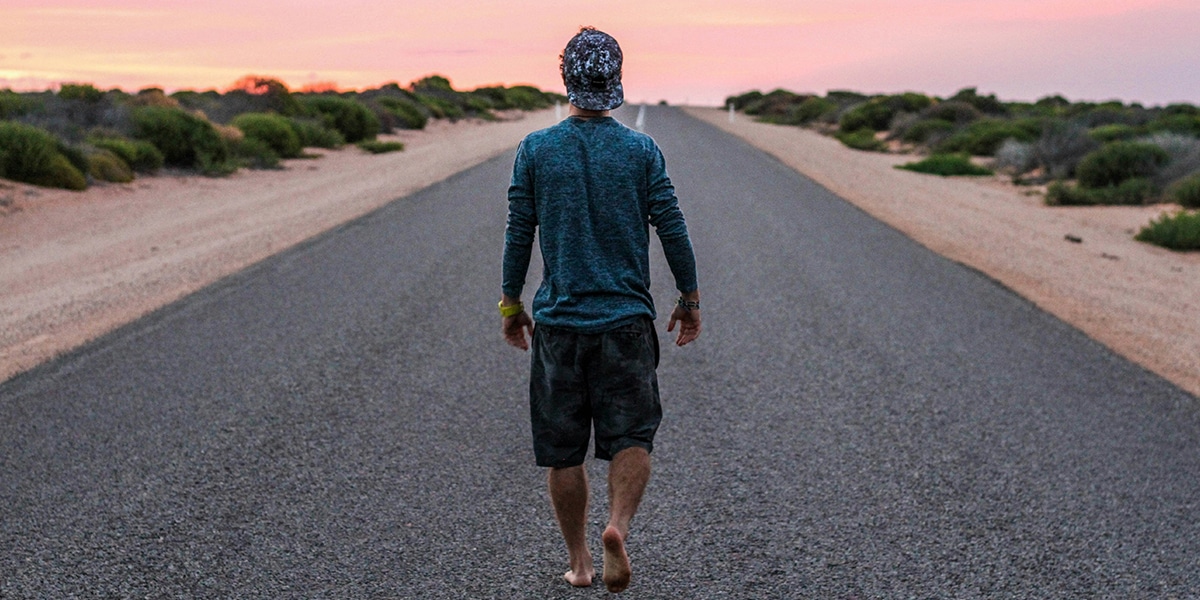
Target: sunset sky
[(696, 51)]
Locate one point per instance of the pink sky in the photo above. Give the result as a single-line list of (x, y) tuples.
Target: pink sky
[(698, 51)]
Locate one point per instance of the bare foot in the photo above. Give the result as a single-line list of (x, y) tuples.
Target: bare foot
[(581, 579), (616, 562)]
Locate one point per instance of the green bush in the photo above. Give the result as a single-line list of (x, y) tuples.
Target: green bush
[(107, 166), (862, 139), (986, 104), (13, 105), (441, 108), (741, 101), (75, 156), (255, 153), (1178, 123), (378, 147), (1130, 192), (1118, 162), (31, 155), (1180, 231), (945, 165), (314, 134), (349, 117), (1186, 191), (959, 113), (407, 112), (983, 138), (141, 155), (80, 91), (1114, 132), (524, 97), (872, 115), (1061, 146), (926, 129), (274, 130), (184, 139), (813, 109)]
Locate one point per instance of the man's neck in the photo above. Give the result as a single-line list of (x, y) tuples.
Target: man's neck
[(588, 114)]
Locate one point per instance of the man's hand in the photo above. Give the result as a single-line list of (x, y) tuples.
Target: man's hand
[(515, 327), (689, 321)]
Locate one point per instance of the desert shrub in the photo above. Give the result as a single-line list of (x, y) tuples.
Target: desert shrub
[(13, 105), (407, 112), (1178, 123), (1181, 109), (1114, 132), (741, 101), (846, 98), (945, 165), (185, 140), (1131, 191), (31, 155), (275, 130), (314, 134), (379, 147), (959, 113), (265, 94), (924, 130), (479, 107), (985, 104), (349, 117), (1186, 191), (1115, 163), (85, 92), (107, 166), (983, 138), (869, 115), (1061, 146), (862, 139), (74, 155), (1184, 152), (1180, 231), (774, 104), (812, 109), (140, 155), (524, 97), (1016, 157), (254, 153), (440, 108)]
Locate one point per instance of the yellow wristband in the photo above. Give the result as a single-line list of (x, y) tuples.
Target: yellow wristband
[(511, 309)]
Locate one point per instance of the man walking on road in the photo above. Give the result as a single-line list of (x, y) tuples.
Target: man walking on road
[(594, 187)]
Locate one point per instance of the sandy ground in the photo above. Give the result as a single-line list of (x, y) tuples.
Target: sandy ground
[(1139, 300), (74, 266)]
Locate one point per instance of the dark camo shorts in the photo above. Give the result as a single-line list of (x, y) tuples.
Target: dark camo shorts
[(606, 380)]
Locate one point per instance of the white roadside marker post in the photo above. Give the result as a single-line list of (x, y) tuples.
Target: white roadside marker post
[(731, 112), (641, 118)]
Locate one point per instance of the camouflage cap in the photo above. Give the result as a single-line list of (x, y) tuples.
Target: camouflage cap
[(591, 70)]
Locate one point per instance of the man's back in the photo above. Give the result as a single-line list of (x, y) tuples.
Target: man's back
[(592, 186)]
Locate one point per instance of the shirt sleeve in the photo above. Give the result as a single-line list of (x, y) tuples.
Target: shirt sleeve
[(522, 223), (668, 223)]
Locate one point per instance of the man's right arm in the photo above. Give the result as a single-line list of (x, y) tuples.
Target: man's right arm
[(518, 247)]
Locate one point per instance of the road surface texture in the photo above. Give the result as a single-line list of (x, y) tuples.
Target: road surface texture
[(860, 419)]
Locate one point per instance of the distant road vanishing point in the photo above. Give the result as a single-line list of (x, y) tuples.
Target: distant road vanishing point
[(861, 419)]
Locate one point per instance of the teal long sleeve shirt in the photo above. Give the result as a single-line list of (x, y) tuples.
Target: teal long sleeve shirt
[(591, 189)]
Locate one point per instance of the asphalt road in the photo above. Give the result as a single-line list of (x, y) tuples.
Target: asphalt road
[(861, 419)]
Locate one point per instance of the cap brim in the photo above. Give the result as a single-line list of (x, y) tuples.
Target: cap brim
[(597, 100)]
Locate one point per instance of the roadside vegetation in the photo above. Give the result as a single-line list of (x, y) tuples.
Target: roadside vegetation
[(1085, 153), (78, 134)]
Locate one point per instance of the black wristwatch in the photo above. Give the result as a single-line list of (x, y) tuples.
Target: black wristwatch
[(688, 304)]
